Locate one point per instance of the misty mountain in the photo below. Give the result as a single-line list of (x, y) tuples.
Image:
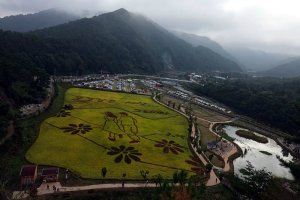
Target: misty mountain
[(117, 42), (254, 60), (197, 40), (121, 41), (287, 70), (43, 19)]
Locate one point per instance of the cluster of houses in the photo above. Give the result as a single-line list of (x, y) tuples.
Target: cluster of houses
[(29, 175), (71, 79), (198, 101), (34, 109), (31, 109), (151, 83), (113, 83)]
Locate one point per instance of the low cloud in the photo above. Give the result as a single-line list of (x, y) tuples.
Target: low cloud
[(270, 25)]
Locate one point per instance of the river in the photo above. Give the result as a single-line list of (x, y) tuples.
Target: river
[(258, 159)]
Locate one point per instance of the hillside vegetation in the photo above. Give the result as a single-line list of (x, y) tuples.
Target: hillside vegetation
[(117, 42), (275, 102)]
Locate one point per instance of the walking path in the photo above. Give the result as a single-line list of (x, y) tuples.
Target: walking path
[(48, 188), (43, 189), (225, 155), (213, 179)]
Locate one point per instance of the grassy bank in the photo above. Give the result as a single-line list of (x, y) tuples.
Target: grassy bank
[(218, 128), (252, 136)]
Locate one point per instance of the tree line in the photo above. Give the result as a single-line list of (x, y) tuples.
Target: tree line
[(276, 102)]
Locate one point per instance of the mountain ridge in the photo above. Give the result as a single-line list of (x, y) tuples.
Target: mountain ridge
[(34, 21), (132, 32), (197, 40), (256, 60), (287, 70)]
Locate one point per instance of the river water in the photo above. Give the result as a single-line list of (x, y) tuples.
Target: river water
[(258, 159)]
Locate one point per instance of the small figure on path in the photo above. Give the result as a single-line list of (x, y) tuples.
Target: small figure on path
[(216, 180), (122, 184), (47, 187)]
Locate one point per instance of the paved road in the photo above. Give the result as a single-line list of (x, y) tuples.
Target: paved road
[(43, 189)]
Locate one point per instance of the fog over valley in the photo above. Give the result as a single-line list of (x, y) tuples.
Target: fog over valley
[(268, 25)]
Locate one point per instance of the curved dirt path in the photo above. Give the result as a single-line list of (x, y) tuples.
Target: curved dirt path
[(225, 155), (213, 179)]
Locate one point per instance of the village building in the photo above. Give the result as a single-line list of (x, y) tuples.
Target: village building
[(50, 174), (28, 176)]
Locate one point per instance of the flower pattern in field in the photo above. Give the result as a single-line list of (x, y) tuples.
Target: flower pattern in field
[(63, 113), (196, 163), (80, 128), (169, 146), (129, 153)]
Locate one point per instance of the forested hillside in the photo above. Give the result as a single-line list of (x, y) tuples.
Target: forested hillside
[(121, 41), (289, 69), (117, 42), (273, 101), (43, 19)]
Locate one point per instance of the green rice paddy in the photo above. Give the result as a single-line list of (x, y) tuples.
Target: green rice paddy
[(125, 133)]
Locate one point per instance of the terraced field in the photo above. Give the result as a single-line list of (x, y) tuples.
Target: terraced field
[(123, 132)]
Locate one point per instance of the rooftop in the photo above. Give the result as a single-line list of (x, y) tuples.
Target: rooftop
[(50, 171), (28, 170)]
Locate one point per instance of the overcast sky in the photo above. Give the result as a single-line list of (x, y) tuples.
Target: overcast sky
[(270, 25)]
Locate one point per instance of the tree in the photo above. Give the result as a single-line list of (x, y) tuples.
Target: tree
[(158, 179), (180, 177), (256, 179), (253, 182), (169, 103), (144, 174), (175, 177), (158, 97), (208, 167), (103, 171)]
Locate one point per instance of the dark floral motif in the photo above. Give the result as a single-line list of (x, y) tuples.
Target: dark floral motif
[(128, 154), (80, 128), (196, 163), (169, 146), (63, 113)]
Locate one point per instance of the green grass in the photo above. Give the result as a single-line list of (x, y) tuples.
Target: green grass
[(252, 136), (146, 124)]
